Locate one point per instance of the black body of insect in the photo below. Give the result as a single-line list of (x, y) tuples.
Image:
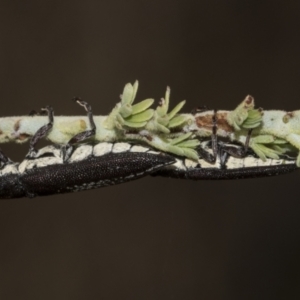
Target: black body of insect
[(70, 168)]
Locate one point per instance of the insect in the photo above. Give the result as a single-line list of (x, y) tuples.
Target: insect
[(273, 133), (83, 164)]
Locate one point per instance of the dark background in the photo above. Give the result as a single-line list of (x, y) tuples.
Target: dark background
[(154, 238)]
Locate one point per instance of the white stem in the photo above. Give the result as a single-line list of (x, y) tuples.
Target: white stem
[(20, 129)]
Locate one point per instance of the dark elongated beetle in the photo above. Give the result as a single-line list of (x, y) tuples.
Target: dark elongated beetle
[(75, 167)]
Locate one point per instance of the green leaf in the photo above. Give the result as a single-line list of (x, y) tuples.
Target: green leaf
[(176, 109), (133, 124), (125, 110), (180, 138), (240, 114), (164, 107), (120, 119), (127, 95), (161, 109), (176, 150), (263, 139), (255, 114), (259, 152), (247, 125), (163, 120), (254, 119), (141, 106), (280, 141), (134, 91), (141, 117), (162, 128), (177, 121), (279, 149), (190, 153), (269, 152), (189, 144)]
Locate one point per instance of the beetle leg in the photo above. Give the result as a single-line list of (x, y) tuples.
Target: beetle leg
[(4, 160), (33, 112), (41, 133), (237, 152), (199, 109), (207, 156), (223, 150), (88, 133), (214, 139), (67, 149), (237, 166)]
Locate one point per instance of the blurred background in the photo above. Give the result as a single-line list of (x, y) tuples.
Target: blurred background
[(154, 238)]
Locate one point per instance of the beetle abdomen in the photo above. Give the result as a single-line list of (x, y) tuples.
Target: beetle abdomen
[(218, 174), (88, 167), (93, 172), (233, 168)]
